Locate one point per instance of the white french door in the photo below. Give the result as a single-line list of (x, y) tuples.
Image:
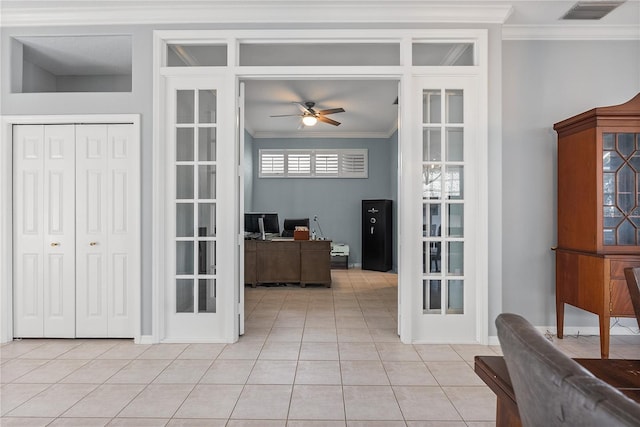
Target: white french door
[(44, 231), (76, 230), (201, 181), (445, 127)]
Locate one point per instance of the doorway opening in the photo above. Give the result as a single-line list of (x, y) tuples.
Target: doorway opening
[(303, 187)]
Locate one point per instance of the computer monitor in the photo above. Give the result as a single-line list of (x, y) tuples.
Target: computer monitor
[(271, 223)]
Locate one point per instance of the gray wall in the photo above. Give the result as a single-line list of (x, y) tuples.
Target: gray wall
[(545, 82), (336, 202)]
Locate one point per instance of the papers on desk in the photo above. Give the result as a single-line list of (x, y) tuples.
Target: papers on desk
[(281, 239)]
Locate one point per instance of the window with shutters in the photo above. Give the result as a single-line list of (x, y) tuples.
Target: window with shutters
[(320, 163)]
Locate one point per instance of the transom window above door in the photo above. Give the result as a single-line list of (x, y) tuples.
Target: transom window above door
[(322, 53)]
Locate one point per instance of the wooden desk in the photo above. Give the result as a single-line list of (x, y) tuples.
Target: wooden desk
[(287, 261), (621, 374)]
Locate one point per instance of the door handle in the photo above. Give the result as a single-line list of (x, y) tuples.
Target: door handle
[(93, 243), (54, 244)]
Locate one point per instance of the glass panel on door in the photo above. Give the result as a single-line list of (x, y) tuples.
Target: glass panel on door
[(196, 190), (443, 201), (621, 188)]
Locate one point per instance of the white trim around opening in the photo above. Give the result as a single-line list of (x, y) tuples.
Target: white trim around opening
[(409, 220)]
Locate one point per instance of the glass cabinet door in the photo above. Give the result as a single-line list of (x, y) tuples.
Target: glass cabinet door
[(621, 189)]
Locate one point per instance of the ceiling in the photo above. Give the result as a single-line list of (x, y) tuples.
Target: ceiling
[(369, 107), (368, 104)]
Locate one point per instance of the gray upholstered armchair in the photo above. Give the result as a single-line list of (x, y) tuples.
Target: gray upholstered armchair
[(552, 389)]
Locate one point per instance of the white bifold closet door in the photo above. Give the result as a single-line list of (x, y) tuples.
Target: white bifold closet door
[(77, 230), (44, 231), (105, 230)]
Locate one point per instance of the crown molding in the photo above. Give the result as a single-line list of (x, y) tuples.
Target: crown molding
[(327, 134), (572, 32), (110, 12)]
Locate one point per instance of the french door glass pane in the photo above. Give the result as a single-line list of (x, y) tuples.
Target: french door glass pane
[(207, 106), (432, 182), (184, 219), (431, 102), (206, 257), (185, 108), (184, 182), (206, 144), (184, 295), (431, 143), (184, 257), (455, 220), (455, 254), (206, 296), (455, 297), (184, 144), (207, 182), (432, 290), (431, 219), (454, 182), (206, 219), (454, 104), (454, 144)]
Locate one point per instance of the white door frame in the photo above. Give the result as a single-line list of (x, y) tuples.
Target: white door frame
[(6, 207), (409, 172)]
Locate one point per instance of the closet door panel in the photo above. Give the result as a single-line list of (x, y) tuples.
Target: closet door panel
[(92, 233), (28, 230), (44, 208), (123, 197), (59, 224)]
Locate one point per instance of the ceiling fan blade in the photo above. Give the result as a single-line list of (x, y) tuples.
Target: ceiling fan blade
[(286, 115), (302, 107), (328, 120), (331, 111)]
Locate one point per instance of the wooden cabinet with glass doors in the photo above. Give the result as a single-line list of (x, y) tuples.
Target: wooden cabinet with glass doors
[(598, 212)]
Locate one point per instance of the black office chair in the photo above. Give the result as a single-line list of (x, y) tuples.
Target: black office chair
[(552, 389), (291, 224)]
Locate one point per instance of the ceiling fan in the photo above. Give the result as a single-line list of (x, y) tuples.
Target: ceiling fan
[(311, 116)]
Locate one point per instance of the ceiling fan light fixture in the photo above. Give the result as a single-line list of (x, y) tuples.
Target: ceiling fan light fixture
[(309, 120)]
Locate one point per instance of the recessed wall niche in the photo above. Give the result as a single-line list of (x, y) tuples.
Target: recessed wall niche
[(71, 64)]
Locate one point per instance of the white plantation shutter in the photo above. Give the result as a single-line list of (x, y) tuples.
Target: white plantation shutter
[(353, 164), (326, 164), (322, 163), (271, 163), (298, 164)]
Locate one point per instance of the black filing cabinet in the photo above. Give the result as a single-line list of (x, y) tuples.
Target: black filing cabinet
[(376, 235)]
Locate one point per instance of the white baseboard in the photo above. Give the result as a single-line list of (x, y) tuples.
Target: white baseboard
[(145, 339), (493, 340)]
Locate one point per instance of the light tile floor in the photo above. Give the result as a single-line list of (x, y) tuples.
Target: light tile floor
[(310, 357)]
